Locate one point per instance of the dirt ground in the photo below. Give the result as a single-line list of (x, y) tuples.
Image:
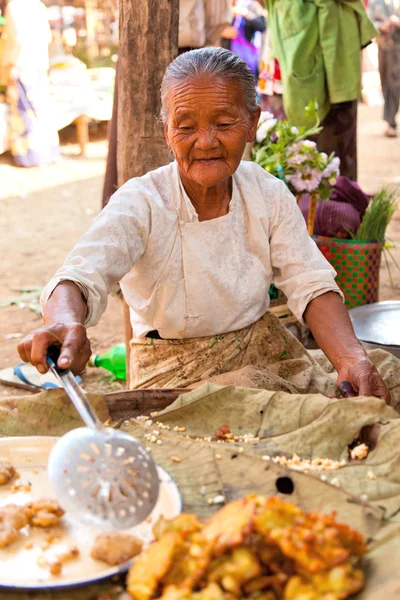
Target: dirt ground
[(44, 211)]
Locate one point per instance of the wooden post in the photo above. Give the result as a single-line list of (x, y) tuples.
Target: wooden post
[(312, 210), (148, 32), (90, 14)]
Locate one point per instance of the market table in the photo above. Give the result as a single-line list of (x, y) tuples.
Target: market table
[(310, 425), (90, 98)]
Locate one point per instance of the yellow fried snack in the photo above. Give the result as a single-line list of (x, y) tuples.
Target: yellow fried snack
[(7, 472), (274, 513), (183, 523), (150, 567), (44, 513), (230, 525), (254, 548), (12, 519), (317, 543), (336, 584), (233, 570), (211, 592), (115, 548)]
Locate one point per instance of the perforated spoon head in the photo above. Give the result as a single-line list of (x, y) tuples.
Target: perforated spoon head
[(104, 478)]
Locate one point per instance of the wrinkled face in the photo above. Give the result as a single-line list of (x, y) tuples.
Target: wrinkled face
[(208, 127)]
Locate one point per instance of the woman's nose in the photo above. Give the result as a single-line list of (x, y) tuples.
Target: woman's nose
[(206, 139)]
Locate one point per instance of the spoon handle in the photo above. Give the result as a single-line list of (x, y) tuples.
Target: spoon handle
[(73, 390)]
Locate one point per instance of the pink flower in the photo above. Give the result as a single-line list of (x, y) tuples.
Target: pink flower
[(332, 169), (305, 180), (297, 159)]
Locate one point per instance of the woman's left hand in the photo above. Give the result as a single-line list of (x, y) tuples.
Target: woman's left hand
[(364, 378)]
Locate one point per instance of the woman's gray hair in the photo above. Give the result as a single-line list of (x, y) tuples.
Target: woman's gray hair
[(212, 61)]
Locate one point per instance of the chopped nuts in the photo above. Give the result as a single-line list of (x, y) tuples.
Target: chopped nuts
[(175, 459), (359, 452), (305, 465), (335, 481), (371, 475), (220, 499)]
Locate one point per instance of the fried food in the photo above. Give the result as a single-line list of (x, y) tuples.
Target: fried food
[(56, 566), (7, 472), (12, 519), (254, 548), (44, 513), (190, 562), (336, 584), (115, 548), (317, 543), (230, 525), (148, 570), (183, 523), (234, 570)]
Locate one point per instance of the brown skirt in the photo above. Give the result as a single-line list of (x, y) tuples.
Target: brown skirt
[(264, 355)]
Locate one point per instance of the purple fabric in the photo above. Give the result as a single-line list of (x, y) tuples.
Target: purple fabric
[(33, 138), (246, 50), (341, 215)]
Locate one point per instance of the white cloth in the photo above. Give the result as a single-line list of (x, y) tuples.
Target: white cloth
[(27, 36), (187, 278), (201, 22)]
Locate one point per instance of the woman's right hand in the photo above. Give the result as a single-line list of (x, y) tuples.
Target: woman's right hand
[(71, 338)]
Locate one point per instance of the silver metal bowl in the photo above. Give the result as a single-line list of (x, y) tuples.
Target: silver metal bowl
[(378, 325)]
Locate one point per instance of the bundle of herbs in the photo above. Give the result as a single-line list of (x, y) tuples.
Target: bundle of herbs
[(378, 216), (375, 221)]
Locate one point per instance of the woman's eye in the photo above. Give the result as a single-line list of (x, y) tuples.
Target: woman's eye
[(224, 125), (186, 128)]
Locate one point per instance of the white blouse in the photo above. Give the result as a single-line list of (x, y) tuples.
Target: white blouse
[(186, 278)]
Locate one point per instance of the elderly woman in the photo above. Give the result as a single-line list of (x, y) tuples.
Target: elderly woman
[(196, 245)]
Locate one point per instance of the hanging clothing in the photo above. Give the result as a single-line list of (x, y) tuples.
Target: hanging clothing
[(318, 45), (188, 278), (251, 24)]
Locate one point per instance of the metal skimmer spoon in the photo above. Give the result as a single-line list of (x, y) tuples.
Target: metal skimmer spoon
[(100, 475)]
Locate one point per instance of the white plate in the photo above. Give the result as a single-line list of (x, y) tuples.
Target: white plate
[(18, 565)]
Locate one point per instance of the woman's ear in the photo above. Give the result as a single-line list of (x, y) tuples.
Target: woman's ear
[(254, 118)]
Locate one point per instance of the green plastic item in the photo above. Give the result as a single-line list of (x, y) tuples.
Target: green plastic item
[(114, 361)]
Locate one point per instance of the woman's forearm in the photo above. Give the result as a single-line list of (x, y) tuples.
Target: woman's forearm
[(65, 305), (331, 327)]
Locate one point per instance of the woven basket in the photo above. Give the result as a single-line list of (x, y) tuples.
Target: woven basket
[(357, 265)]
